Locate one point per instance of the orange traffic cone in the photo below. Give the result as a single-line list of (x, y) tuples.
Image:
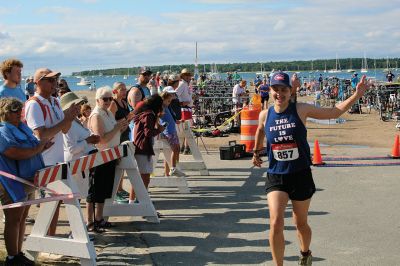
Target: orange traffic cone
[(396, 150), (317, 158)]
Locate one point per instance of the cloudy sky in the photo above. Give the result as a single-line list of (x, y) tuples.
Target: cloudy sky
[(94, 34)]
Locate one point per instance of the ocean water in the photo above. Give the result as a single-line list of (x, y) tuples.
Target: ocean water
[(101, 81)]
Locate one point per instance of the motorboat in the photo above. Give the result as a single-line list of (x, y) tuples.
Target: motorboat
[(83, 82)]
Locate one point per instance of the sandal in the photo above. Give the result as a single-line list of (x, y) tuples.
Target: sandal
[(93, 227), (104, 224)]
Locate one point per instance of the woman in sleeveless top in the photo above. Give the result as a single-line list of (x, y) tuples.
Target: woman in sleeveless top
[(289, 175), (103, 124), (119, 107)]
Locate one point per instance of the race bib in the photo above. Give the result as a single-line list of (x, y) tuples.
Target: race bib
[(285, 151)]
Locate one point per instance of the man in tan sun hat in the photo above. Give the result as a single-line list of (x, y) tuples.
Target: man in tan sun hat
[(47, 120), (184, 94)]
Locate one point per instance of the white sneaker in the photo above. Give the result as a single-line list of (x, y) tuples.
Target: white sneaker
[(49, 256), (176, 172)]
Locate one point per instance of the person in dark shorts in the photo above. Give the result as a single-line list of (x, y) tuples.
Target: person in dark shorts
[(103, 124), (289, 175), (264, 93)]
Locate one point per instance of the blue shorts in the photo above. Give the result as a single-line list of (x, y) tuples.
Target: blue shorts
[(172, 139)]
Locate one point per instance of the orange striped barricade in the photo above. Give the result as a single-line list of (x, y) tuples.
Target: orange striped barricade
[(144, 207), (59, 179), (248, 126), (198, 163), (161, 145)]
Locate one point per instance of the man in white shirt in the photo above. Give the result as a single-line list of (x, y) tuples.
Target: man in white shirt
[(184, 94), (45, 117), (238, 92), (183, 91)]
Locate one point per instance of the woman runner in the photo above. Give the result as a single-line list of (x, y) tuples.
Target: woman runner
[(289, 174)]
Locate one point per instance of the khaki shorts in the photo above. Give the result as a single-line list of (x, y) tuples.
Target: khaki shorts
[(144, 163), (6, 199)]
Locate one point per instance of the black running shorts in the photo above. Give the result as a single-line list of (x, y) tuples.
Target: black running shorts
[(299, 186)]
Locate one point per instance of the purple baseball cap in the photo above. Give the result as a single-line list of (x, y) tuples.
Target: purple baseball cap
[(280, 78)]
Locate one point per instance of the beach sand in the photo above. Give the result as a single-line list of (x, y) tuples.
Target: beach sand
[(359, 130)]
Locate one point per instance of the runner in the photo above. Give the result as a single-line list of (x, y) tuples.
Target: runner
[(289, 174)]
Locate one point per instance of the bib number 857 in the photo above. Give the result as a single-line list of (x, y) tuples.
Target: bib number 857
[(286, 155)]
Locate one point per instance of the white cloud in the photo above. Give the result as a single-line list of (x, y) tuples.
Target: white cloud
[(280, 25), (4, 35), (78, 39)]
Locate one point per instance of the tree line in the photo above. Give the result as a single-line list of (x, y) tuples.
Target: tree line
[(299, 65)]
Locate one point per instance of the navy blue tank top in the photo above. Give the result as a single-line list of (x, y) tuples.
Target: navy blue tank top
[(287, 147)]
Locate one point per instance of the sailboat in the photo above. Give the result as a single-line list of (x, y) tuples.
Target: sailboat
[(364, 65), (337, 67), (351, 70), (325, 68), (312, 67), (214, 75), (262, 73), (387, 69), (298, 70), (127, 76)]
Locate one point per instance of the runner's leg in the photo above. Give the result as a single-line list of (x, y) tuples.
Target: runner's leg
[(300, 215), (277, 201)]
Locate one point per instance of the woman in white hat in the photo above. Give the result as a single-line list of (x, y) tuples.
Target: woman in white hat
[(78, 141)]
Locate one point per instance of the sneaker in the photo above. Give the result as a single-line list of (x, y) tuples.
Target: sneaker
[(120, 199), (29, 220), (176, 172), (18, 260), (182, 149), (25, 259), (305, 260), (187, 151), (123, 193), (49, 256)]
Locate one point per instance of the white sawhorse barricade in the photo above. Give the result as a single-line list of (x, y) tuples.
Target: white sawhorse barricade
[(197, 164), (60, 179), (144, 206)]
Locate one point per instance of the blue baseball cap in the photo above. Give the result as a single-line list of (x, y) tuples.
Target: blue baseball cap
[(280, 78)]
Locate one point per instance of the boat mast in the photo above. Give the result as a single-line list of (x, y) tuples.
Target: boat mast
[(196, 66)]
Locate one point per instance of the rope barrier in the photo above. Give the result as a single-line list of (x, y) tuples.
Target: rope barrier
[(344, 158), (202, 130), (57, 196), (357, 164)]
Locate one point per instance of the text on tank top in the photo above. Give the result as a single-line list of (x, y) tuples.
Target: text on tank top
[(287, 146)]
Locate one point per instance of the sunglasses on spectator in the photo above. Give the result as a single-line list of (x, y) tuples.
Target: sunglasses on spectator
[(107, 99), (15, 108), (49, 79)]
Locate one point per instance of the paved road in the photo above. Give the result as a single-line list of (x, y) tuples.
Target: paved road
[(354, 216)]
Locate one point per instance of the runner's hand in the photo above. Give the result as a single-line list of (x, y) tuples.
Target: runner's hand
[(363, 86), (257, 160)]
